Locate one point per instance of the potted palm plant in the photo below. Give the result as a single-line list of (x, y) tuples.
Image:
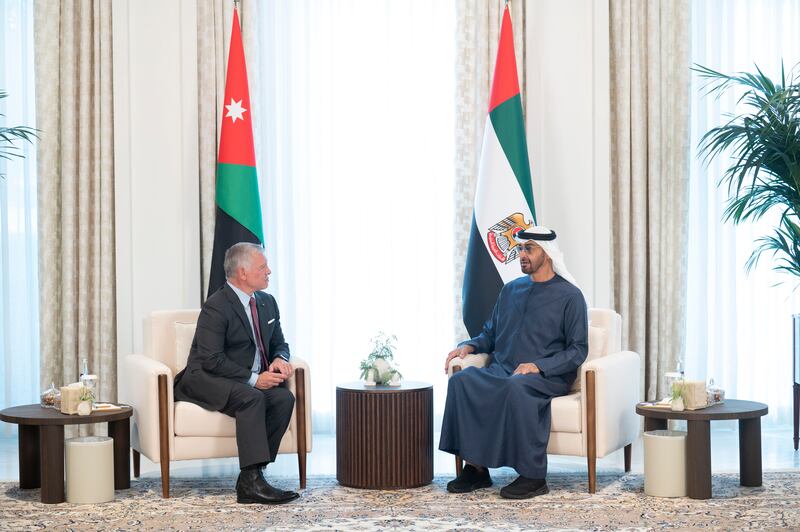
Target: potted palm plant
[(763, 142), (9, 135)]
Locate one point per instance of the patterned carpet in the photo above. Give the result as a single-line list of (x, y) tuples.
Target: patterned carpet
[(619, 504)]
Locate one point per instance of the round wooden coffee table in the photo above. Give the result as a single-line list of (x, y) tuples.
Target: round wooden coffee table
[(384, 435), (41, 446), (698, 440)]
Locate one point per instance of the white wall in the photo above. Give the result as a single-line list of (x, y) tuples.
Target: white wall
[(568, 116), (155, 88), (156, 166)]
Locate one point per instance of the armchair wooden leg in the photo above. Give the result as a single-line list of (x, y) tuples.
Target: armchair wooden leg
[(163, 434), (591, 431), (300, 402), (796, 411), (459, 461), (136, 463), (628, 449), (165, 479), (301, 466)]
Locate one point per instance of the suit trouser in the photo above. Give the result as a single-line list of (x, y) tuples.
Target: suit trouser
[(262, 417)]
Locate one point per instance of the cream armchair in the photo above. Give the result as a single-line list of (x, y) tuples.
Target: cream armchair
[(598, 417), (165, 430)]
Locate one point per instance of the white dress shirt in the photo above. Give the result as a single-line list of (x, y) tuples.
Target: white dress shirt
[(256, 369)]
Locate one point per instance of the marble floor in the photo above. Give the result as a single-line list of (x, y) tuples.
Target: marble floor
[(777, 452)]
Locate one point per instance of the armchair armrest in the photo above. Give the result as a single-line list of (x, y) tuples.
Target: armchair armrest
[(297, 362), (477, 360), (616, 395), (139, 388)]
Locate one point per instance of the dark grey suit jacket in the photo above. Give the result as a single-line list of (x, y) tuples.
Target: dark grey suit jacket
[(223, 348)]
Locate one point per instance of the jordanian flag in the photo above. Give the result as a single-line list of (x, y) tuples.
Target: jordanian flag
[(504, 194), (238, 205)]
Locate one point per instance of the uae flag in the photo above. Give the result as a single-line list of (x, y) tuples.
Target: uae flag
[(238, 213), (504, 193)]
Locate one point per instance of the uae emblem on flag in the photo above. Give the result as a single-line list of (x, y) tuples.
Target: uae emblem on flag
[(238, 213), (502, 243), (504, 194)]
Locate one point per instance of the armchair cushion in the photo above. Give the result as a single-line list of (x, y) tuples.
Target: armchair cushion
[(565, 412), (159, 335), (184, 336), (194, 420)]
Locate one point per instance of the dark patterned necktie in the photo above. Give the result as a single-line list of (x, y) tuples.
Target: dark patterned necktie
[(259, 342)]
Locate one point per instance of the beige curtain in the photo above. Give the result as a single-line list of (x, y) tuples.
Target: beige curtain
[(650, 56), (214, 19), (477, 34), (76, 191)]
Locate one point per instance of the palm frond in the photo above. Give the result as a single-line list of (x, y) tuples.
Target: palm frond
[(763, 144), (10, 136)]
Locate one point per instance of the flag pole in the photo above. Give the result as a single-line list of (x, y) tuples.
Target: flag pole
[(237, 5)]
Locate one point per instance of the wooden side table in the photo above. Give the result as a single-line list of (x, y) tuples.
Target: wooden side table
[(698, 440), (384, 435), (41, 446)]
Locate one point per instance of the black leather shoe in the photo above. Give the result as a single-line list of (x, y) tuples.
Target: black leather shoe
[(253, 488), (470, 479), (525, 488)]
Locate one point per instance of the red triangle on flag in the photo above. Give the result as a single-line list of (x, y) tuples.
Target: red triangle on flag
[(505, 83), (236, 138)]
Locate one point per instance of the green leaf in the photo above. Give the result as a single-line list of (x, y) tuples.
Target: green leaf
[(10, 135), (763, 144)]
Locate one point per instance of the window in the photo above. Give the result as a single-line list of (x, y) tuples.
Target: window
[(354, 137), (19, 303), (739, 326)]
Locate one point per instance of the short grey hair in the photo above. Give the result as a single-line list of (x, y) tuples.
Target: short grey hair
[(238, 255)]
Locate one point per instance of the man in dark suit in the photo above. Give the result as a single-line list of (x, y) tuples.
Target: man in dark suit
[(238, 365)]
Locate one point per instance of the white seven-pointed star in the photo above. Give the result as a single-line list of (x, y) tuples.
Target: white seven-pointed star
[(235, 110)]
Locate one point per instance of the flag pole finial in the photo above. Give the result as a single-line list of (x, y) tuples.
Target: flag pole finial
[(237, 6)]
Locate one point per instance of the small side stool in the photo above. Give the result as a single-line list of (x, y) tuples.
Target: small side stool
[(90, 469), (665, 463)]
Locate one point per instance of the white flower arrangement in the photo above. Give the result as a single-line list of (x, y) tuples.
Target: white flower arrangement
[(376, 368)]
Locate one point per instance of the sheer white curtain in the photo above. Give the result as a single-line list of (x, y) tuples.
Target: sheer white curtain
[(353, 105), (738, 325), (19, 309)]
